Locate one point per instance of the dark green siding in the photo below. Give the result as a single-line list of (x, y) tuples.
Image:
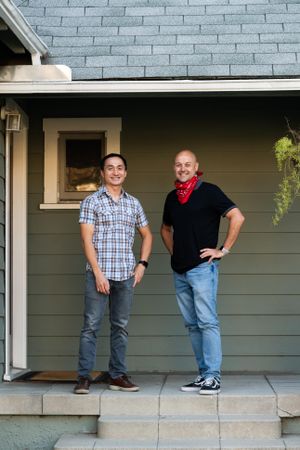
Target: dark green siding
[(259, 293), (2, 244)]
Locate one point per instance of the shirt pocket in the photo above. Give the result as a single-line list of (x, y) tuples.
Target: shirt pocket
[(106, 221), (127, 223)]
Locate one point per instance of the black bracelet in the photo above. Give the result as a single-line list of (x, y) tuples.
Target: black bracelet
[(144, 263)]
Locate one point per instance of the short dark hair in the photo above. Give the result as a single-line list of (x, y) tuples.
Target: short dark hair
[(112, 155)]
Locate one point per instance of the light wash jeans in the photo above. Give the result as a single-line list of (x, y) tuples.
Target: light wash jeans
[(196, 292), (120, 301)]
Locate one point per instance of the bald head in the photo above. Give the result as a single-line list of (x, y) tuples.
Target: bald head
[(186, 154), (185, 165)]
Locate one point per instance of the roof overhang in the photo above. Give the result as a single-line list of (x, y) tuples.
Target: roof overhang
[(15, 20), (155, 86)]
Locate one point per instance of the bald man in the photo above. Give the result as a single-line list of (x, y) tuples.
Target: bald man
[(190, 231)]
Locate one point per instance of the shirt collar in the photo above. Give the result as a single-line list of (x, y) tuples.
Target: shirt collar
[(103, 190)]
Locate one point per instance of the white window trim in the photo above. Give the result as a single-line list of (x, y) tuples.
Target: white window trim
[(110, 126)]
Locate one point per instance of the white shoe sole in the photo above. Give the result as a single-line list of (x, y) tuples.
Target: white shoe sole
[(201, 392), (119, 388), (81, 391), (183, 389)]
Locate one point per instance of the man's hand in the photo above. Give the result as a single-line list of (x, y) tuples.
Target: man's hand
[(138, 273), (210, 253), (102, 283)]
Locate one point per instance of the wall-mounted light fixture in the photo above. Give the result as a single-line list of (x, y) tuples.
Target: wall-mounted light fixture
[(12, 118)]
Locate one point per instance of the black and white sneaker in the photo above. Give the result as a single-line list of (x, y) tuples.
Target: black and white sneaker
[(210, 386), (194, 386)]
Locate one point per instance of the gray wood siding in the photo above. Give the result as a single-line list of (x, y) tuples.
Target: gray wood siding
[(259, 287), (2, 245)]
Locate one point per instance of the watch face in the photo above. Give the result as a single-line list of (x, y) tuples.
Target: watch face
[(144, 263)]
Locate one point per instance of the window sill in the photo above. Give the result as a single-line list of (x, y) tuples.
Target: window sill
[(46, 206)]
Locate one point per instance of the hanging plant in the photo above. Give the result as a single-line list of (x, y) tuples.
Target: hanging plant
[(287, 154)]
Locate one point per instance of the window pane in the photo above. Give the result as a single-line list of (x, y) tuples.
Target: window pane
[(82, 164)]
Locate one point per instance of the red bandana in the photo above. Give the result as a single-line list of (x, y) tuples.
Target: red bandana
[(184, 190)]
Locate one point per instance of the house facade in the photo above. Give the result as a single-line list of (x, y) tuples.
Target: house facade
[(146, 79)]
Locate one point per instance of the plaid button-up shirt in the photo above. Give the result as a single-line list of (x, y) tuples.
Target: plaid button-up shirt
[(115, 224)]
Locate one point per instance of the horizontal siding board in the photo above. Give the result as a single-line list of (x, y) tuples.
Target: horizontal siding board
[(232, 304), (163, 284), (63, 244), (176, 363), (154, 201), (233, 182), (1, 328), (171, 345), (235, 161), (2, 212), (243, 181), (170, 325), (1, 282), (2, 305), (1, 355), (160, 264), (255, 222)]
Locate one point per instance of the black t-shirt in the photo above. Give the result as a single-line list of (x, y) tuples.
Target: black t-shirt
[(195, 223)]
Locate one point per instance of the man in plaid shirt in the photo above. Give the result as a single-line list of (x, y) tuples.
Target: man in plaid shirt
[(108, 219)]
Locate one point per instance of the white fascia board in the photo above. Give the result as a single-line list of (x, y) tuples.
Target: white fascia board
[(21, 28), (164, 86)]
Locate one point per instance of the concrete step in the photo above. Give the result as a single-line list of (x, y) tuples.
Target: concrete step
[(190, 427), (249, 426), (144, 402), (224, 426), (252, 444), (91, 442), (128, 427), (239, 395), (216, 444)]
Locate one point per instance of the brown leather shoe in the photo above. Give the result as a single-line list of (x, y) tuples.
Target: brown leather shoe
[(82, 386), (123, 384)]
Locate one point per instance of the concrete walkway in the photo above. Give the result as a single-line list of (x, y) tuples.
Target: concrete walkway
[(158, 395), (247, 414)]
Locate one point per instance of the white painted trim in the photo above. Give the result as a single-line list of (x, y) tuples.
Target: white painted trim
[(36, 59), (110, 126), (36, 73), (7, 258), (19, 249), (164, 86), (13, 17), (60, 205), (16, 249), (14, 374)]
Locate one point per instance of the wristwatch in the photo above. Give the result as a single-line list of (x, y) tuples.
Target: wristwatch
[(224, 250), (144, 263)]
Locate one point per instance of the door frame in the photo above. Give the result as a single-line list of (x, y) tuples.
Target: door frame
[(16, 151)]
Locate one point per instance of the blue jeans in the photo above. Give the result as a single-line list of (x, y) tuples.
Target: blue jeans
[(120, 301), (196, 292)]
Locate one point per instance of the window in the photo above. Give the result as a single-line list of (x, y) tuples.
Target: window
[(73, 149), (79, 164)]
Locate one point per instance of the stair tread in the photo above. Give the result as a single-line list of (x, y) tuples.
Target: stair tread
[(92, 442), (191, 417)]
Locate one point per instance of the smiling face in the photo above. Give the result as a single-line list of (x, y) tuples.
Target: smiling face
[(185, 165), (114, 172)]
